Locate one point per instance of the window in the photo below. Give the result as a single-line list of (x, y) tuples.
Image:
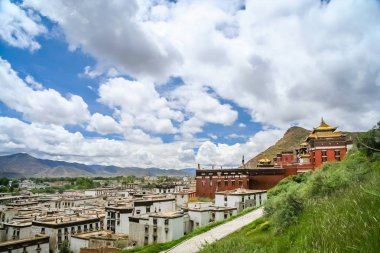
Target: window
[(166, 221), (337, 155), (146, 229), (154, 221), (148, 209), (225, 216), (225, 183), (233, 183), (324, 158), (219, 184), (240, 184), (42, 230), (324, 153), (138, 211)]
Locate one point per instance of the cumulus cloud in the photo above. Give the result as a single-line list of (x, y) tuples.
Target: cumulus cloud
[(202, 107), (284, 59), (19, 27), (42, 106), (103, 124), (55, 142), (220, 154), (110, 31), (138, 104)]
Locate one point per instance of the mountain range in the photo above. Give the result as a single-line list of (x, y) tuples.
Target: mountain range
[(25, 165)]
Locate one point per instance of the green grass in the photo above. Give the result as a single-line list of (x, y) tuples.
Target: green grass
[(336, 209), (153, 248)]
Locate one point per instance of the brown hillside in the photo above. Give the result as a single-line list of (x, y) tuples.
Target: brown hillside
[(291, 140)]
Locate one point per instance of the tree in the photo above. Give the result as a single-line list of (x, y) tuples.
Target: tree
[(369, 142), (64, 247)]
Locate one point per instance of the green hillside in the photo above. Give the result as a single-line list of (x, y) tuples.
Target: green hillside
[(336, 209)]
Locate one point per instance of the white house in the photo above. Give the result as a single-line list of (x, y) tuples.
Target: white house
[(240, 198), (38, 244), (157, 228)]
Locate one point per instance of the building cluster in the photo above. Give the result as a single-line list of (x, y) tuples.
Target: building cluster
[(111, 219), (323, 144)]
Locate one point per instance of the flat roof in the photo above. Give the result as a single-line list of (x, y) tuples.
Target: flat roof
[(174, 214), (239, 192)]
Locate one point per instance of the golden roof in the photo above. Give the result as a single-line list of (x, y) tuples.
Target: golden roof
[(323, 127), (304, 144), (264, 160), (322, 135)]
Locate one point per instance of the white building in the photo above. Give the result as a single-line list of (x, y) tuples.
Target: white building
[(154, 204), (101, 192), (16, 230), (202, 213), (157, 228), (37, 244), (117, 218), (97, 239), (240, 198), (61, 228)]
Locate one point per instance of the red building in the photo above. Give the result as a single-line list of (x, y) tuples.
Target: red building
[(323, 144)]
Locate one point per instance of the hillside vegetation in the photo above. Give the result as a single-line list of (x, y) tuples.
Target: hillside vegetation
[(335, 209)]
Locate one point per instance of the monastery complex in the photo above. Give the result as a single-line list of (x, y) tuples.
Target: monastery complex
[(324, 144)]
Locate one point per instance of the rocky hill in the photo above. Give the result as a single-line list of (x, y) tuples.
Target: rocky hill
[(25, 165), (293, 137)]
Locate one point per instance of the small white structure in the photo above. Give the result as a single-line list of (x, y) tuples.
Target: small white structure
[(157, 228), (202, 213), (39, 244), (96, 239), (182, 198), (101, 192), (61, 228), (117, 218), (154, 204), (240, 198), (17, 229)]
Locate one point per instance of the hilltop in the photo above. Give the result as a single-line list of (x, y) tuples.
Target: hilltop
[(291, 140)]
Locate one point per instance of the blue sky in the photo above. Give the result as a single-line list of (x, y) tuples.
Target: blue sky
[(172, 84)]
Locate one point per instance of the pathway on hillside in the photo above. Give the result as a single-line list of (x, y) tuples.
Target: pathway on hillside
[(196, 243)]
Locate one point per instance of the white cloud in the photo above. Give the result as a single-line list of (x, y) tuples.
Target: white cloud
[(18, 27), (284, 59), (138, 104), (242, 125), (103, 124), (43, 106), (221, 154), (202, 107), (35, 85), (110, 31)]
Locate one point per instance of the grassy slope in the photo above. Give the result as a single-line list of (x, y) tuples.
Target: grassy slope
[(336, 209)]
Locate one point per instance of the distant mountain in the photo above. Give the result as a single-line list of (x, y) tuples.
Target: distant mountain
[(25, 165), (291, 140)]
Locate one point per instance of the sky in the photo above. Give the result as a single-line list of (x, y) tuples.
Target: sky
[(171, 84)]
